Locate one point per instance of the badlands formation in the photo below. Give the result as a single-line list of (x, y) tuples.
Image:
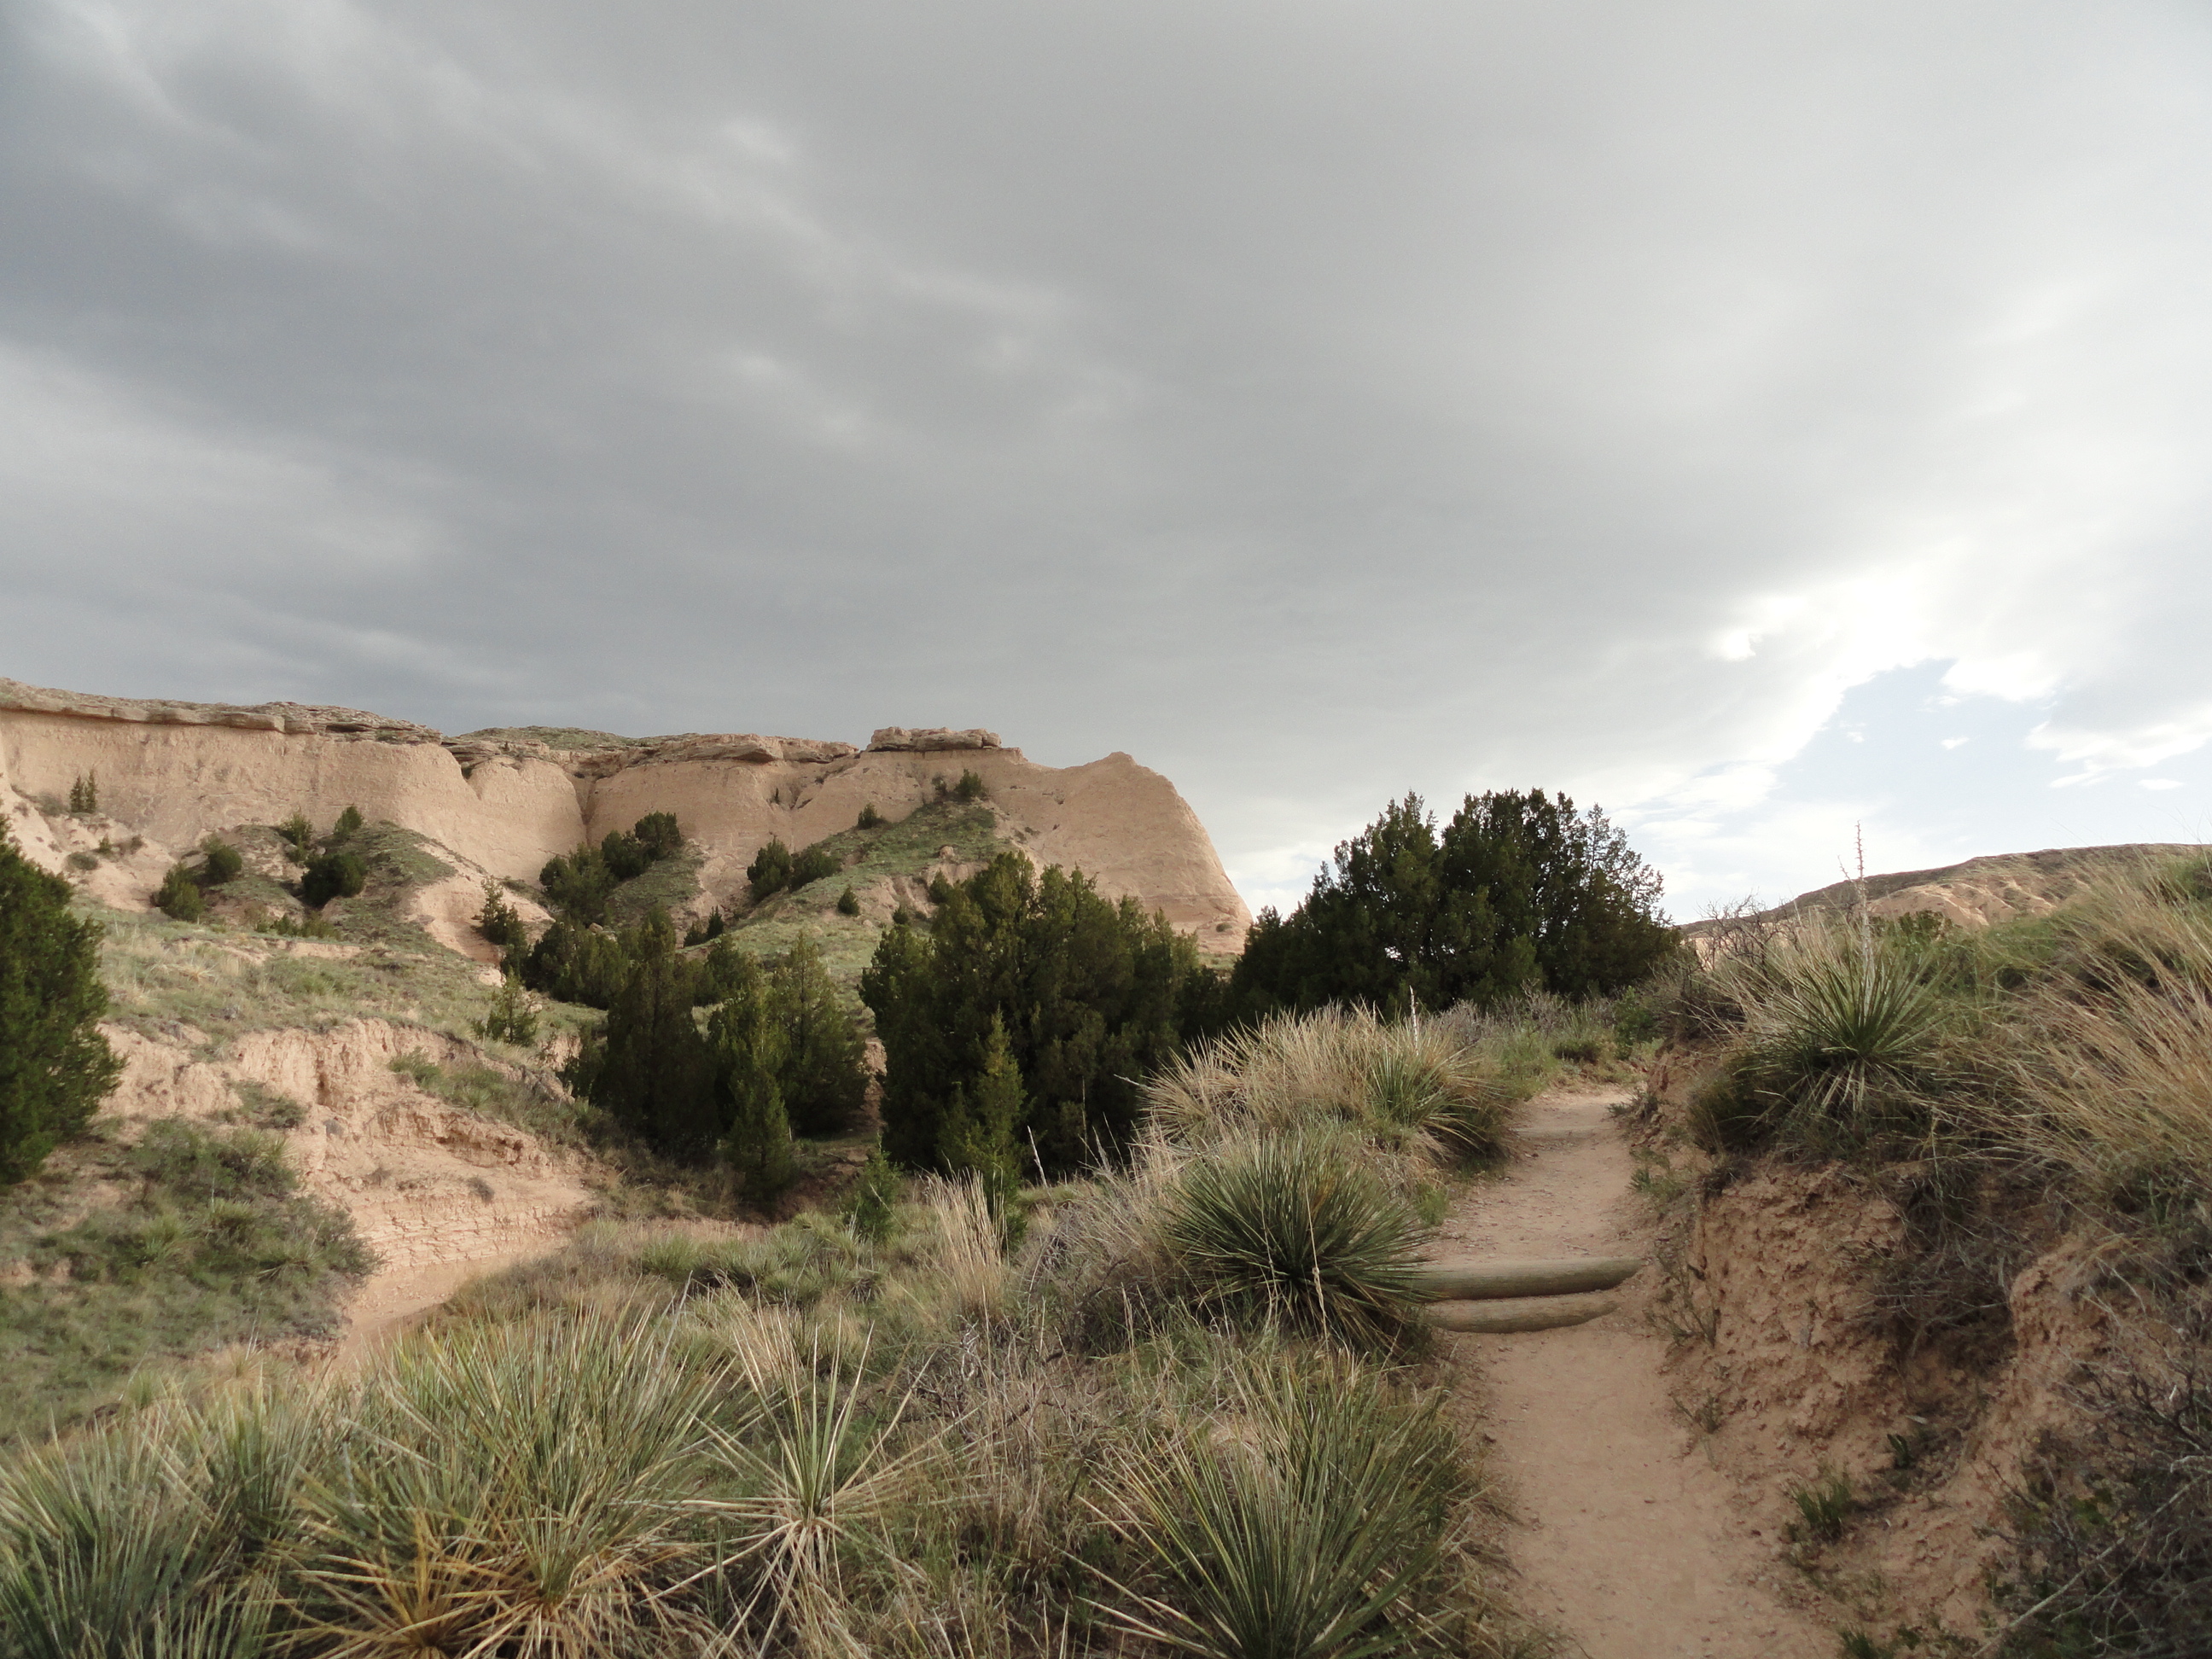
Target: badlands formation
[(503, 802)]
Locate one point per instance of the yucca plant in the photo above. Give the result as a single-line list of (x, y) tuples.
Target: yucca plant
[(1295, 1229), (820, 1476), (519, 1489), (1840, 1031), (1292, 1526), (153, 1535)]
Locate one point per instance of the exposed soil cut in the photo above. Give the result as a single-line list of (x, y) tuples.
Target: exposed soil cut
[(1631, 1543)]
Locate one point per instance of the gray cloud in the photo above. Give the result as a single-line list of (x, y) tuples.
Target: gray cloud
[(1315, 401)]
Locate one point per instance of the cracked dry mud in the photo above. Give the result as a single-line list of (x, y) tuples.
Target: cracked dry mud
[(1629, 1541)]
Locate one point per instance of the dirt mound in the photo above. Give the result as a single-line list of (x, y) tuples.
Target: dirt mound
[(503, 802), (424, 1180)]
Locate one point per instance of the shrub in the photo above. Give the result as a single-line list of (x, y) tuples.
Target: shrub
[(971, 786), (577, 884), (179, 898), (624, 856), (940, 890), (349, 825), (769, 872), (500, 922), (1090, 992), (84, 795), (817, 863), (55, 1066), (298, 836), (1294, 1229), (870, 818), (652, 1065), (332, 875), (871, 1208), (823, 1074), (658, 834), (748, 1048), (220, 862), (84, 861), (1518, 891), (512, 1017), (572, 963), (848, 902), (2112, 1535)]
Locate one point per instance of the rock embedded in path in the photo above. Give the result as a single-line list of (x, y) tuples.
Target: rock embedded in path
[(1528, 1313), (1498, 1277)]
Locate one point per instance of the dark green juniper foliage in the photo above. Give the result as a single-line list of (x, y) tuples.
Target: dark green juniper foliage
[(500, 922), (55, 1068), (332, 875), (848, 903), (971, 786), (222, 862), (573, 963), (1091, 994), (298, 835), (870, 818), (769, 872), (1518, 892), (649, 1067), (823, 1075), (578, 885), (178, 897), (749, 1048), (813, 865), (349, 825), (84, 795)]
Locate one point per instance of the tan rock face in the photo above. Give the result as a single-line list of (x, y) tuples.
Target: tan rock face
[(172, 773)]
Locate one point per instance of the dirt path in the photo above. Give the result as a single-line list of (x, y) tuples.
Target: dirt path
[(390, 1301), (1632, 1544)]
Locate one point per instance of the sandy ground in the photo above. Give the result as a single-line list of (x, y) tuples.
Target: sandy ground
[(1630, 1543), (389, 1302)]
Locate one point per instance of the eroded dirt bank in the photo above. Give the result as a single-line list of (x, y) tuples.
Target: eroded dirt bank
[(1631, 1542)]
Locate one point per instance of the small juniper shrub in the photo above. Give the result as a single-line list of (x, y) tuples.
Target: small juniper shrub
[(512, 1017), (220, 862), (848, 902), (179, 898), (499, 923), (940, 890), (332, 875), (84, 795), (769, 872), (298, 836), (817, 863), (971, 786), (870, 818)]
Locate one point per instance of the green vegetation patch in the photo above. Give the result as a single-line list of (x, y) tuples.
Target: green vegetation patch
[(669, 883), (162, 975), (206, 1239)]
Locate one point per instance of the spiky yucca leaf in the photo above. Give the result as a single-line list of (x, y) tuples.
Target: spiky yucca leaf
[(1292, 1529), (1294, 1228)]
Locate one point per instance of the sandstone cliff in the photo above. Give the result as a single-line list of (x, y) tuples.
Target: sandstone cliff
[(505, 801)]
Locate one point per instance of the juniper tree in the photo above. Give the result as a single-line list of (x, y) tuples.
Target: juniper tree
[(55, 1066)]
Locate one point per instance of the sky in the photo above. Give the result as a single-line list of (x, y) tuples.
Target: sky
[(1778, 423)]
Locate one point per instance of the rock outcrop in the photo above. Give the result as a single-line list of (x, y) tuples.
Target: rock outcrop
[(505, 801)]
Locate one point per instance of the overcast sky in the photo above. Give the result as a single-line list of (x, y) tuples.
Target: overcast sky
[(1758, 419)]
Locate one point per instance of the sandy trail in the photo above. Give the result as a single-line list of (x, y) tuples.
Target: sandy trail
[(1631, 1543), (389, 1302)]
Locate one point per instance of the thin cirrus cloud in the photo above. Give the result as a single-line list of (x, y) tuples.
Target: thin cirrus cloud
[(1782, 425)]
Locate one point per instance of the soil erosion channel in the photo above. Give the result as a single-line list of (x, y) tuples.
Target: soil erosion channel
[(1631, 1542)]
